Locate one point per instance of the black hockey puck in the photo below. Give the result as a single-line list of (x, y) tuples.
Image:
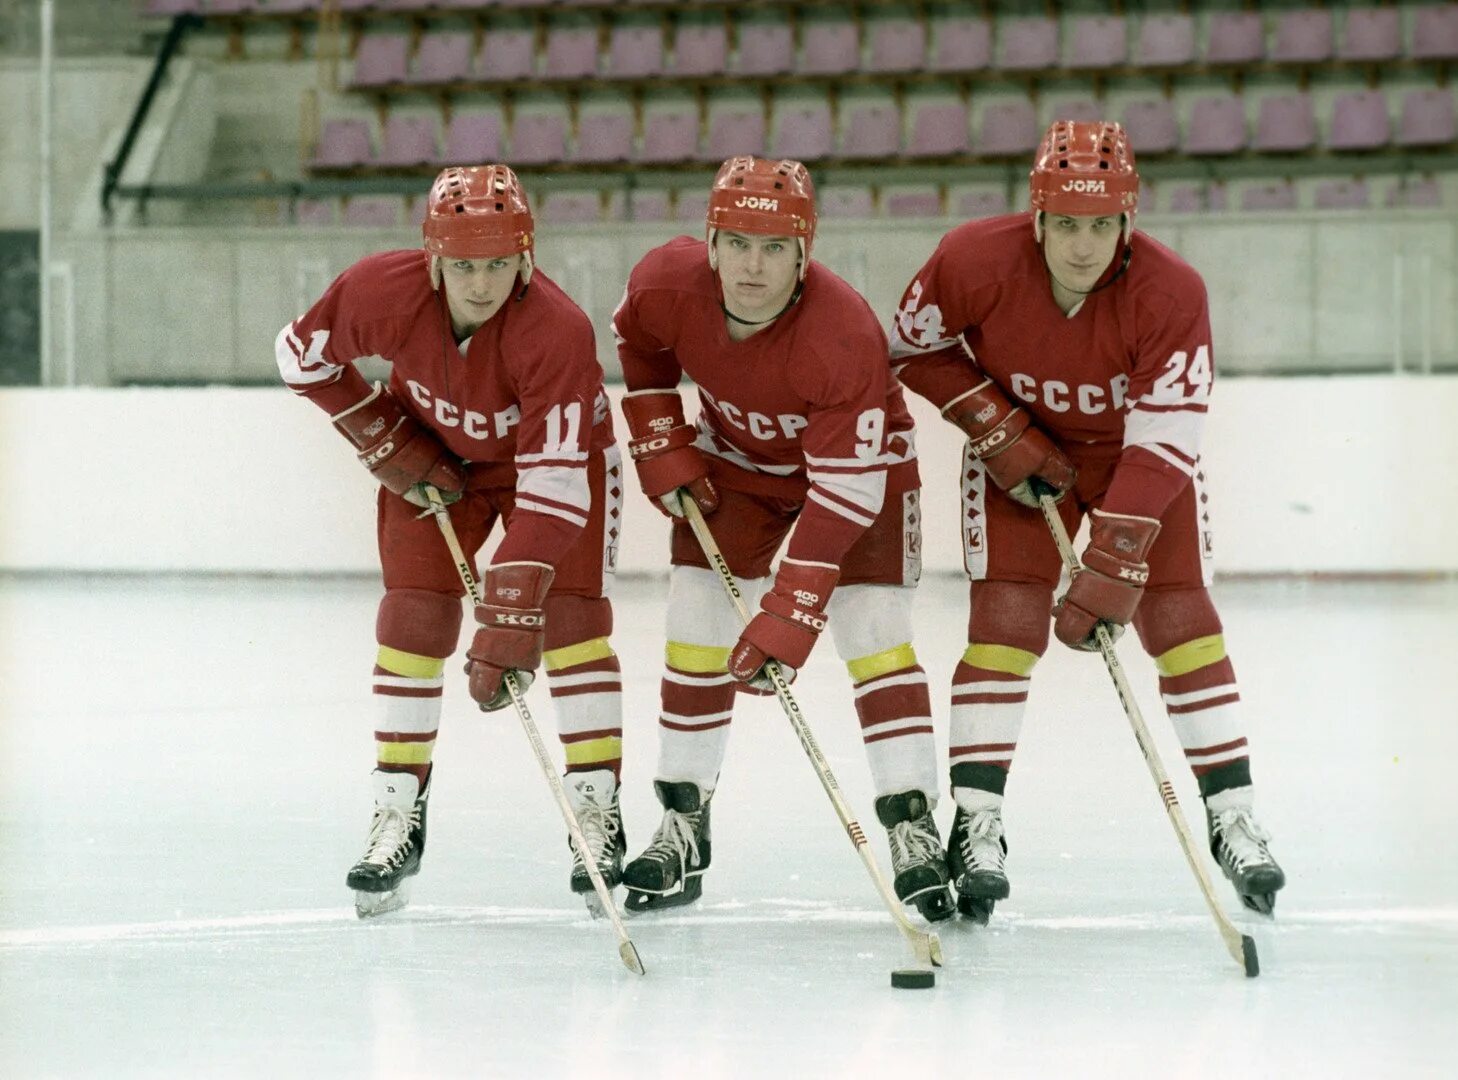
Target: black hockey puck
[(913, 979)]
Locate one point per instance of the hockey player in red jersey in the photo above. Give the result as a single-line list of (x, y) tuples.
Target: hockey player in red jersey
[(1075, 353), (495, 398), (801, 431)]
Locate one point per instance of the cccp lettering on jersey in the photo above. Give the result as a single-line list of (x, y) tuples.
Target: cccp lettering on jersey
[(757, 424), (1055, 395), (477, 425)]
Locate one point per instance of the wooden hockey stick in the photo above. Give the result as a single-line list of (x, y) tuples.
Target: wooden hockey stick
[(1241, 946), (626, 949), (926, 946)]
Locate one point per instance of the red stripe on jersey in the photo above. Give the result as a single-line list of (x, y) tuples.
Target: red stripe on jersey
[(587, 688), (1200, 706), (408, 691), (1010, 698), (697, 700), (1184, 406), (672, 726), (966, 673), (607, 663), (404, 736), (983, 748), (920, 729), (1220, 748), (858, 511), (586, 736), (893, 703), (1220, 673)]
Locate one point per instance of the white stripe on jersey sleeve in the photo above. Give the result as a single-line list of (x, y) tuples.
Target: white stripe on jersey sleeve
[(1178, 429), (563, 484), (815, 495), (864, 491), (552, 455), (526, 502), (303, 366)]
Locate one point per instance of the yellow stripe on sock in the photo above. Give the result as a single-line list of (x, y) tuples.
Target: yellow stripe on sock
[(409, 665), (882, 663), (404, 753), (595, 750), (1000, 658), (696, 659), (584, 652), (1191, 656)]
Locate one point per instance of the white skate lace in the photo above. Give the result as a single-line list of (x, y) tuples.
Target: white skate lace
[(981, 845), (1243, 842), (390, 835), (676, 836), (600, 828), (913, 844)]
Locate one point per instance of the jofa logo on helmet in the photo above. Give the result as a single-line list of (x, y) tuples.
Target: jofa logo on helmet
[(755, 202), (1090, 186)]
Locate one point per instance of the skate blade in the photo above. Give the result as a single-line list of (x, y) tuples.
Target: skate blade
[(935, 905), (976, 908), (368, 905), (1260, 903), (594, 905), (641, 903)]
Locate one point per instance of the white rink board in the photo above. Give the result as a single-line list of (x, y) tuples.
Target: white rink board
[(1351, 474)]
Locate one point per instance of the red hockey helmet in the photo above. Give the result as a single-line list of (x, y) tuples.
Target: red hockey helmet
[(1084, 167), (479, 212), (765, 198)]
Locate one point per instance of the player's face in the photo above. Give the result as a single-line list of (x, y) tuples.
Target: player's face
[(758, 273), (476, 288), (1080, 247)]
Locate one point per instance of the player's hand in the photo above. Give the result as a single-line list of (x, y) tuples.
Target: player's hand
[(1106, 589), (1010, 446), (662, 448), (399, 451), (511, 629), (791, 617)]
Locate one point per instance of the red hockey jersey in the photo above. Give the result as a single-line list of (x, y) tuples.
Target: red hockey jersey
[(1131, 366), (521, 399), (806, 407)]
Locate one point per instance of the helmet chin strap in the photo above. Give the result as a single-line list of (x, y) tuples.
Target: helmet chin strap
[(791, 302)]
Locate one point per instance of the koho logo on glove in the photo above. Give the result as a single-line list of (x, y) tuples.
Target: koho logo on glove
[(532, 620)]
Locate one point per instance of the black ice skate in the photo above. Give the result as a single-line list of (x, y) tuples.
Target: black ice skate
[(381, 878), (594, 799), (669, 872), (1238, 844), (916, 853), (975, 852)]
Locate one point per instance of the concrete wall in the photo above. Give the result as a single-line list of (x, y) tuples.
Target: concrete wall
[(1354, 474)]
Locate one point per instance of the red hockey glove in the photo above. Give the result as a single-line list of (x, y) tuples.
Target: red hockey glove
[(1009, 444), (662, 447), (791, 616), (398, 451), (512, 626), (1107, 588)]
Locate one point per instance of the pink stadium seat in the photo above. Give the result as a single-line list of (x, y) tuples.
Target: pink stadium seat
[(1302, 36), (904, 204), (443, 58), (1028, 44), (1186, 199), (1410, 193), (408, 141), (1076, 109), (963, 43), (765, 48), (507, 55), (845, 202), (1285, 123), (1217, 126), (605, 136), (538, 138), (979, 203), (1236, 37), (1435, 32), (231, 7), (896, 45), (1097, 41), (938, 129), (371, 213), (1274, 195), (356, 5), (1371, 34), (1342, 195), (635, 52), (802, 130), (570, 208), (650, 205), (872, 130), (1009, 129), (380, 60), (1165, 41), (471, 139), (691, 205), (670, 136), (736, 131), (343, 144), (571, 53), (283, 7), (701, 50), (314, 213), (1360, 121), (500, 3), (831, 47), (1427, 118), (1151, 126)]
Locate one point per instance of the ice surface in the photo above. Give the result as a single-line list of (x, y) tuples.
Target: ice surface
[(184, 781)]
